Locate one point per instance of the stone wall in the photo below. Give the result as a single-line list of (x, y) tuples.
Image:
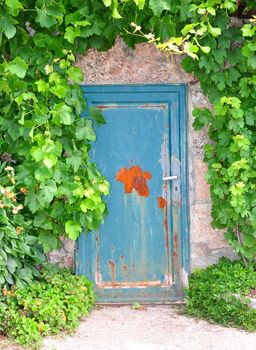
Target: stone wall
[(146, 64)]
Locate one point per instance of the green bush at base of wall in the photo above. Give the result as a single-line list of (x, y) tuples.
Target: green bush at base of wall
[(220, 294), (47, 306)]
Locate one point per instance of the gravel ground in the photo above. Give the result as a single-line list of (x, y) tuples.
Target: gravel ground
[(6, 345), (152, 328)]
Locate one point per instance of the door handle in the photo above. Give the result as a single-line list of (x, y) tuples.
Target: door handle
[(167, 178)]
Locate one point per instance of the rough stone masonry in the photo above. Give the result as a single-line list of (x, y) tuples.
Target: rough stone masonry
[(145, 64)]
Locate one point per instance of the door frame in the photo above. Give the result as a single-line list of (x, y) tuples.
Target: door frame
[(182, 155)]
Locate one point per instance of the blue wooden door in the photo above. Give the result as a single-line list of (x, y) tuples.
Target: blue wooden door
[(141, 251)]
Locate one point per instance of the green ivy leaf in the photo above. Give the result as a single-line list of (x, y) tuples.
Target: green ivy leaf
[(37, 153), (42, 173), (50, 160), (63, 113), (191, 49), (8, 27), (48, 14), (237, 113), (60, 90), (71, 34), (188, 28), (11, 264), (75, 160), (158, 6), (73, 229), (57, 210), (14, 6), (115, 13), (47, 192), (97, 115), (66, 115), (139, 3), (41, 220), (252, 61), (203, 117), (89, 132), (107, 3), (42, 86), (83, 23), (75, 74), (48, 241), (214, 31), (84, 206), (32, 201), (248, 30), (18, 66), (205, 49), (95, 29), (250, 118), (84, 130)]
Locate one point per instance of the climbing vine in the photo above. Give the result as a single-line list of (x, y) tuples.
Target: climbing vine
[(47, 142), (227, 77)]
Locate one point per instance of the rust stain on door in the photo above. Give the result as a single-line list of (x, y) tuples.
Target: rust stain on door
[(134, 178), (112, 267), (161, 202)]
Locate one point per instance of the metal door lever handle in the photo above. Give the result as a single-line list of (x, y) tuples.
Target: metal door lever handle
[(175, 177)]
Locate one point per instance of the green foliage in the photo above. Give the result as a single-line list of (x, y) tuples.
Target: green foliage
[(228, 79), (41, 103), (136, 306), (19, 251), (53, 303), (191, 22), (220, 294)]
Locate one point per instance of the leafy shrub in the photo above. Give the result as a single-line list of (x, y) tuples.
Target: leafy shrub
[(219, 294), (19, 251), (53, 303), (43, 135)]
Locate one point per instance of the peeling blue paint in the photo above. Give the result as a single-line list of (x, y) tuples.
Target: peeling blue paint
[(142, 249)]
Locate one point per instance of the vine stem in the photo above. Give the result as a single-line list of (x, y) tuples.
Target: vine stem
[(239, 237)]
